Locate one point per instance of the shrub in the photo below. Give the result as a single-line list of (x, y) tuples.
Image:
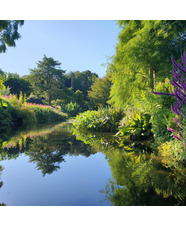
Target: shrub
[(106, 120), (28, 116), (136, 127), (34, 99), (25, 114), (171, 155), (72, 109), (46, 113), (5, 116), (5, 91)]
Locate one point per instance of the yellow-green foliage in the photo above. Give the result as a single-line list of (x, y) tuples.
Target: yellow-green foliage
[(137, 126), (171, 154), (2, 86)]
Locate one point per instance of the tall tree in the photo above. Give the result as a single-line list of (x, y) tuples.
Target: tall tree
[(80, 81), (143, 54), (18, 85), (100, 92), (47, 78), (9, 33)]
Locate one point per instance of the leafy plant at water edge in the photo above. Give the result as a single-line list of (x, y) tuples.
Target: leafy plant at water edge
[(25, 114), (136, 127), (106, 120)]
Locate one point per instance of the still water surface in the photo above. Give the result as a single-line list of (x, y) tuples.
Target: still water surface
[(48, 165), (52, 168)]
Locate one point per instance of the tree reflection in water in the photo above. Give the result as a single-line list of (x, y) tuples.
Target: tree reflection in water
[(139, 176), (1, 184), (46, 147)]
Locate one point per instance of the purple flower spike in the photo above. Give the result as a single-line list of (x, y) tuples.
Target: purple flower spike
[(176, 137), (159, 93), (180, 135), (179, 84), (176, 120), (178, 65), (174, 83), (174, 110)]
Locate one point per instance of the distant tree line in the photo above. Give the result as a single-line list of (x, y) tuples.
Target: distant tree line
[(49, 84)]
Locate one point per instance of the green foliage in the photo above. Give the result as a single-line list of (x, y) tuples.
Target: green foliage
[(81, 81), (9, 33), (136, 127), (7, 75), (5, 116), (2, 86), (165, 87), (5, 91), (47, 78), (102, 120), (143, 56), (46, 115), (28, 116), (18, 85), (140, 180), (71, 109), (100, 92), (172, 155), (18, 112), (157, 106), (34, 99)]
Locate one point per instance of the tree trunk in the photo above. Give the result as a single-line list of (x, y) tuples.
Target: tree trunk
[(154, 79), (150, 79), (49, 99), (152, 76)]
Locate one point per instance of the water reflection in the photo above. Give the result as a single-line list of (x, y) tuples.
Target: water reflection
[(46, 146), (139, 176)]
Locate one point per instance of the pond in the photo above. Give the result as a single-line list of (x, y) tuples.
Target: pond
[(53, 165)]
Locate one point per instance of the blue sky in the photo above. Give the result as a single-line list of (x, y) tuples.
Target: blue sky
[(78, 44)]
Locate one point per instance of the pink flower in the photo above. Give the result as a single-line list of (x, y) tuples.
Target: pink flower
[(176, 120), (170, 129)]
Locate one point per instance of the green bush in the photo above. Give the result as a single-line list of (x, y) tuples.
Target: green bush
[(105, 120), (34, 99), (47, 114), (5, 116), (156, 106), (28, 116), (18, 112), (72, 109), (136, 127)]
